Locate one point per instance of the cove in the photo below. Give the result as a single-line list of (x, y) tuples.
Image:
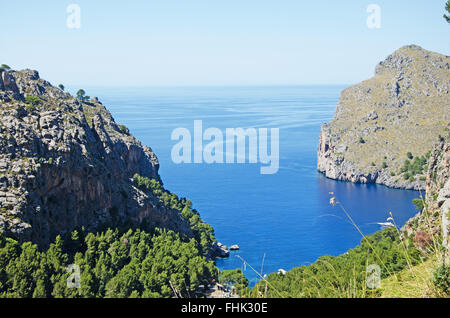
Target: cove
[(280, 220)]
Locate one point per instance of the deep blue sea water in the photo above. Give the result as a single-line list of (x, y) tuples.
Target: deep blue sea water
[(284, 218)]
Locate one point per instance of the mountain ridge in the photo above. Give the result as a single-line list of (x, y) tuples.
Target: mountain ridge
[(366, 140)]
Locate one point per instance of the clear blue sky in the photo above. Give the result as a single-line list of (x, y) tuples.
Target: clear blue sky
[(210, 42)]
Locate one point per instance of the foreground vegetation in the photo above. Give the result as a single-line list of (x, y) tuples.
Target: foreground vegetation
[(115, 262), (112, 264), (405, 272), (344, 275), (388, 263)]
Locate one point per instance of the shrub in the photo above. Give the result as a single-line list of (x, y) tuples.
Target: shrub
[(422, 239), (361, 140), (418, 203), (416, 167), (5, 68), (409, 155), (441, 278), (81, 95), (33, 100), (124, 129), (384, 165)]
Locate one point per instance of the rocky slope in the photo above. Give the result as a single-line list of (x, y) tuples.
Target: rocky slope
[(434, 219), (384, 121), (65, 163), (438, 187)]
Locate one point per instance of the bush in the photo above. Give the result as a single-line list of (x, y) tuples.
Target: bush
[(361, 140), (81, 95), (409, 155), (422, 239), (416, 167), (5, 68), (124, 129), (441, 278), (418, 203), (33, 100), (235, 278)]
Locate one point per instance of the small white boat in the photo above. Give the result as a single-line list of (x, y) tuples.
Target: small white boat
[(386, 224)]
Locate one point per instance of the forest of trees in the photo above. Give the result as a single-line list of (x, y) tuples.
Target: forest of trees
[(131, 264), (114, 262), (203, 232)]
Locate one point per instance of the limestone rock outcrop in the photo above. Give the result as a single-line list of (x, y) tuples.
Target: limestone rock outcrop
[(384, 121), (65, 163)]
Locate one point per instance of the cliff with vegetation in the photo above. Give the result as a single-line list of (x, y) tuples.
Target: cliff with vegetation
[(66, 164), (433, 220), (384, 128), (78, 188)]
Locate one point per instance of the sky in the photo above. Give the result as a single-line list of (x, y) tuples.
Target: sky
[(210, 42)]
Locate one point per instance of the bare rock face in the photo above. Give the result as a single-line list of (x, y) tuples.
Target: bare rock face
[(438, 187), (66, 164), (378, 122)]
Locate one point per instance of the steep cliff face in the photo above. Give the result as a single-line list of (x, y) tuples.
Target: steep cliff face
[(438, 187), (384, 121), (434, 219), (65, 163)]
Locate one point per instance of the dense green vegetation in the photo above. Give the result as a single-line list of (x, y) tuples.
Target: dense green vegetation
[(131, 264), (441, 278), (344, 275), (418, 166), (203, 232), (120, 262), (234, 278)]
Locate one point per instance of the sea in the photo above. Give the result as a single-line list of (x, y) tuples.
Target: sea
[(280, 220)]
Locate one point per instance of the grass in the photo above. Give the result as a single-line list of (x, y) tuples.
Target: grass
[(415, 282), (410, 271)]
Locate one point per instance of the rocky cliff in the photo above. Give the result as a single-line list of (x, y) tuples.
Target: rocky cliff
[(434, 218), (384, 128), (65, 163), (438, 187)]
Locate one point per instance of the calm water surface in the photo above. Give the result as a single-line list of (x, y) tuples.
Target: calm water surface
[(284, 218)]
